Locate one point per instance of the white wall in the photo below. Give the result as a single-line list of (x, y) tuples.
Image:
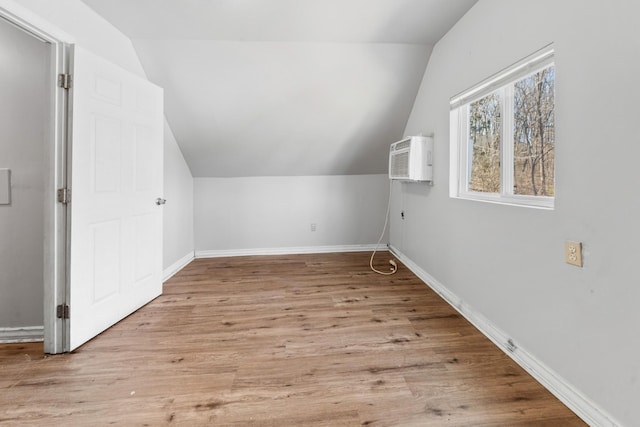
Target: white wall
[(508, 262), (89, 30), (285, 109), (92, 32), (178, 211), (24, 63), (276, 212)]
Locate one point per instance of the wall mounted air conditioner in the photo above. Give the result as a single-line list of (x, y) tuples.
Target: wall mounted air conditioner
[(411, 159)]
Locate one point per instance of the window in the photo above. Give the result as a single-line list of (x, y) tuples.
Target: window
[(503, 136)]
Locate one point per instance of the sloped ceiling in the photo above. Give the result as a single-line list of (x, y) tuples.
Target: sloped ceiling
[(285, 87)]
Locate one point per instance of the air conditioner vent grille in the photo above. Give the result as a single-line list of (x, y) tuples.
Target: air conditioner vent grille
[(400, 164)]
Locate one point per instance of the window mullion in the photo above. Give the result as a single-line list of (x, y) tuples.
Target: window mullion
[(507, 169), (464, 149)]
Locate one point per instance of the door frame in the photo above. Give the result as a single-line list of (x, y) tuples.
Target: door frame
[(56, 218)]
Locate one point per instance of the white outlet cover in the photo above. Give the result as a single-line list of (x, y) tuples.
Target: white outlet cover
[(5, 186)]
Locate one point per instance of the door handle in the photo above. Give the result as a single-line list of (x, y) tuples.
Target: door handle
[(160, 201)]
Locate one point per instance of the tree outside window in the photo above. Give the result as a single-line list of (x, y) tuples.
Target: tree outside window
[(534, 137)]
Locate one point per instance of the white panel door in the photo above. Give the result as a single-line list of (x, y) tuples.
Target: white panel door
[(116, 177)]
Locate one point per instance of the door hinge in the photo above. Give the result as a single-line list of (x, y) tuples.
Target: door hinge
[(62, 311), (65, 81), (64, 195)]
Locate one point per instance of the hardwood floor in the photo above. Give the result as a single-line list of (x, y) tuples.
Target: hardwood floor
[(304, 340)]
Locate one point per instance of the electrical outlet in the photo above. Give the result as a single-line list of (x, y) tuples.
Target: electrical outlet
[(313, 226), (573, 253)]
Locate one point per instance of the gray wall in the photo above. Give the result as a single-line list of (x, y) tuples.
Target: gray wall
[(276, 212), (24, 65), (507, 262)]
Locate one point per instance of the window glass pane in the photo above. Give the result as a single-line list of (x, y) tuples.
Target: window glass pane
[(534, 134), (484, 144)]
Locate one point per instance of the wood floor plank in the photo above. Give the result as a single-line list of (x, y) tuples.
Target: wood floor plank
[(302, 340)]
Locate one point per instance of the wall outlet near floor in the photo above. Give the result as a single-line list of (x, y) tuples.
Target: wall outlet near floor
[(313, 226), (573, 253)]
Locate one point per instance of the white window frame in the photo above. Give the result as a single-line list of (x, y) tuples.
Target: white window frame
[(502, 84)]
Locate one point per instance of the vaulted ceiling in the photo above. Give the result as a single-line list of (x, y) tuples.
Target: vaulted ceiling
[(285, 87)]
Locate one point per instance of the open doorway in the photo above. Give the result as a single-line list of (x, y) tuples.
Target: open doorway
[(24, 86), (32, 168)]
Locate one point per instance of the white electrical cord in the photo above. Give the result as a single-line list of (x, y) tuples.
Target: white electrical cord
[(394, 265)]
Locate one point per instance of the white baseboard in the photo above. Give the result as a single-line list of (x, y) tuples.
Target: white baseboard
[(288, 251), (584, 407), (24, 334), (177, 266)]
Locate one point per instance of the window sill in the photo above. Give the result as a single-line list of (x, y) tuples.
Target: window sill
[(539, 202)]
